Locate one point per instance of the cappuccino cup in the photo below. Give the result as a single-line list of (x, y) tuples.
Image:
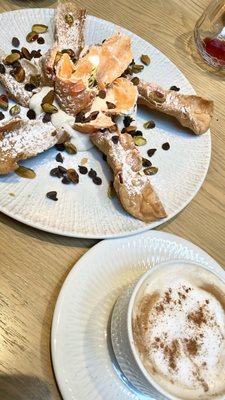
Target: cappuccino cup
[(168, 332)]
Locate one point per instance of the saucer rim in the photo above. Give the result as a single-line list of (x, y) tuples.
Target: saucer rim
[(100, 247)]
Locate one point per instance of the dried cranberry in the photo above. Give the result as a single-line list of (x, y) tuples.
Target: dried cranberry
[(66, 180), (175, 88), (62, 170), (59, 158), (120, 178), (127, 121), (55, 172), (115, 139), (52, 195), (110, 105), (60, 146), (32, 54), (16, 64), (94, 115), (41, 40), (166, 146), (15, 42), (102, 94), (25, 53), (150, 152), (87, 119), (29, 87), (2, 69), (31, 114), (80, 117), (82, 169), (47, 118), (146, 162), (37, 54), (92, 173), (97, 180)]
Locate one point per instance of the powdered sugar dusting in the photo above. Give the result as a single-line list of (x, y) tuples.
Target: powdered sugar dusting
[(30, 138), (133, 181), (70, 36), (17, 89)]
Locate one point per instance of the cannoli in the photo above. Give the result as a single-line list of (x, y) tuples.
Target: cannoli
[(191, 111), (16, 79), (69, 24), (22, 139), (132, 186), (76, 85)]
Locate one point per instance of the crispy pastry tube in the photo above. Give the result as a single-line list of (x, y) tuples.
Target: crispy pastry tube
[(191, 111), (22, 139), (69, 23), (132, 186)]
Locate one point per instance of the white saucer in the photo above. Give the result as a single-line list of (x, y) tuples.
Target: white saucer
[(83, 360)]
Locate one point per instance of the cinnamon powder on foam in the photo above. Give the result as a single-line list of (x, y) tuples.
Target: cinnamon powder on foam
[(172, 350)]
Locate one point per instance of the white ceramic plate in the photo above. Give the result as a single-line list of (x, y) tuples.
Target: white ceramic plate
[(85, 210), (84, 364)]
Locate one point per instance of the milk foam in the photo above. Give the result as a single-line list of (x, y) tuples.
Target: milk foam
[(179, 330)]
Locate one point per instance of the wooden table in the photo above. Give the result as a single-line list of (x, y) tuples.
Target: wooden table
[(34, 264)]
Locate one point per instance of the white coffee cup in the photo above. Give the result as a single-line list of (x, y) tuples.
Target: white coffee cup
[(123, 342)]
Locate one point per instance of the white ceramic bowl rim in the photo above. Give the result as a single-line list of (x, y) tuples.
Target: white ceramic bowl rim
[(137, 287)]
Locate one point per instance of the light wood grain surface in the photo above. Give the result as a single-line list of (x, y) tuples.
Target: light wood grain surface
[(34, 264)]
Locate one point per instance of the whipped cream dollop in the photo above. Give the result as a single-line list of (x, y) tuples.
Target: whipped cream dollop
[(61, 120), (179, 330)]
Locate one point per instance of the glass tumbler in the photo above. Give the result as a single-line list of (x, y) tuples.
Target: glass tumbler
[(209, 34)]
